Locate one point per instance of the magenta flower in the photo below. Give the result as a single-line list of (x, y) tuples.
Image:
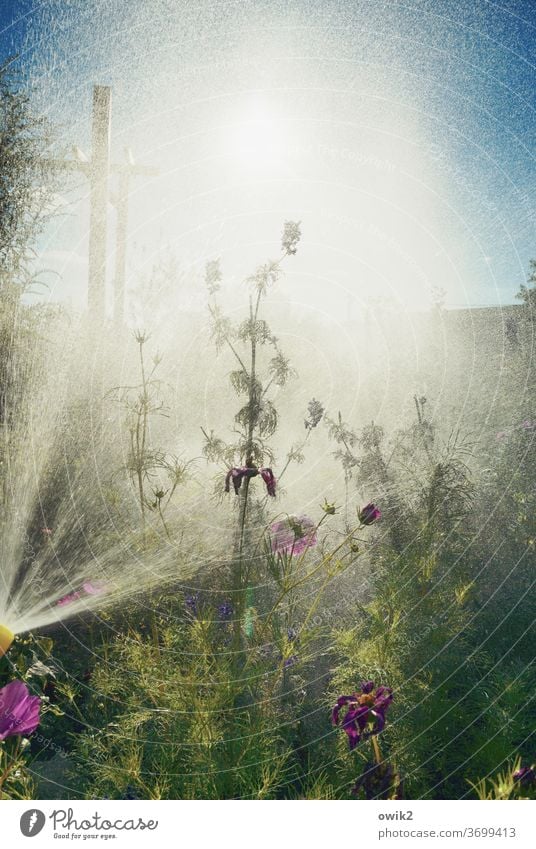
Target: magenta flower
[(369, 514), (365, 714), (19, 711), (269, 479), (68, 599), (236, 475), (293, 535), (88, 588)]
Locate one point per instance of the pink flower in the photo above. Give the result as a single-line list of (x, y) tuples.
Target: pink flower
[(68, 599), (369, 514), (19, 711), (268, 478), (94, 587), (88, 588), (293, 535)]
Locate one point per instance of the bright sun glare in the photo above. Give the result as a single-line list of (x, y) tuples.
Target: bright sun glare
[(255, 139)]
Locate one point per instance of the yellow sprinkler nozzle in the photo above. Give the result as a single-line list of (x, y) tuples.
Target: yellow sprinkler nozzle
[(6, 638)]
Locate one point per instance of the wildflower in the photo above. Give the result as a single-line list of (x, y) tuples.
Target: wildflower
[(290, 661), (316, 411), (365, 714), (527, 424), (69, 598), (237, 474), (292, 634), (500, 435), (293, 535), (88, 588), (94, 587), (225, 610), (19, 711), (525, 775), (369, 514), (191, 602), (329, 508), (47, 532), (269, 479)]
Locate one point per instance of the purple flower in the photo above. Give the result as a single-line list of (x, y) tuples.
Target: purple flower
[(237, 474), (525, 775), (365, 712), (191, 602), (290, 661), (269, 479), (369, 514), (19, 711), (527, 424), (225, 610), (293, 535)]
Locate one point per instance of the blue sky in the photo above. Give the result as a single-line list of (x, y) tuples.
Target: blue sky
[(400, 133)]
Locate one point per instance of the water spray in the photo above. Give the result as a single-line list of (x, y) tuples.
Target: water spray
[(6, 638)]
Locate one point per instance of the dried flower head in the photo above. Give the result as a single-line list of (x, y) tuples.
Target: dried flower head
[(291, 237), (315, 412)]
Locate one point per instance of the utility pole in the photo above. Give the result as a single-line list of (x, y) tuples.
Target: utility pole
[(97, 170), (98, 177), (126, 172)]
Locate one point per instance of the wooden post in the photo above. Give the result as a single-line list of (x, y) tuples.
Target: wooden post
[(99, 169)]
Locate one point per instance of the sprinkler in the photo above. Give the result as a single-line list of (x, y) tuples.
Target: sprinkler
[(6, 638)]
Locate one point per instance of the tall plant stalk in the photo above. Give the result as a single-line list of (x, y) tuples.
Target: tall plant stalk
[(257, 419)]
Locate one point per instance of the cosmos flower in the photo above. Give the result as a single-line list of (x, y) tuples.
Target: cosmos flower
[(369, 514), (19, 711), (269, 479), (237, 474), (88, 588), (94, 587), (365, 712), (68, 599), (293, 535)]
